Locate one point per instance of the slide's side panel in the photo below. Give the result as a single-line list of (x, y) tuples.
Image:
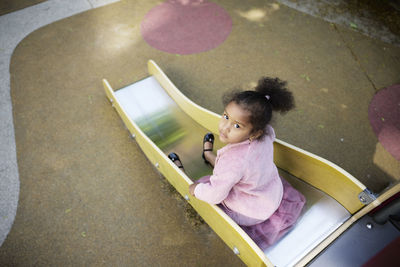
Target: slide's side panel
[(202, 116), (222, 224), (316, 171), (320, 173)]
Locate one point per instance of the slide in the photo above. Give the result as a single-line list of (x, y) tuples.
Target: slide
[(162, 120)]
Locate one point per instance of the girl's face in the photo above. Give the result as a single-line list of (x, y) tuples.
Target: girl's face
[(234, 126)]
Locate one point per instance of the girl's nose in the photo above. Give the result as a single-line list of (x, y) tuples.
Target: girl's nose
[(224, 126), (227, 127)]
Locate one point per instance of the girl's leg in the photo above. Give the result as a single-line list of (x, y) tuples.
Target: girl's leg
[(209, 155), (208, 144), (204, 179), (239, 218), (176, 160)]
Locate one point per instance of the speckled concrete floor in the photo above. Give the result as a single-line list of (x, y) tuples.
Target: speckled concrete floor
[(88, 196), (14, 27)]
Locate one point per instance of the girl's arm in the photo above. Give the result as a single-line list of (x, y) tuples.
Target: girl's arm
[(228, 171), (215, 191), (210, 157)]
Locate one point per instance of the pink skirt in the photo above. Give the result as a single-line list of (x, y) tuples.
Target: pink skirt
[(266, 233)]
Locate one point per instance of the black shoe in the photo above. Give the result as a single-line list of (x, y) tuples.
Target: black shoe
[(174, 157), (207, 138)]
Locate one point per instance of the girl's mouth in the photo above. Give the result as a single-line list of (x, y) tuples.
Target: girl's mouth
[(222, 135)]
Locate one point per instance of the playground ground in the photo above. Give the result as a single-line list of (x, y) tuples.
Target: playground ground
[(75, 189)]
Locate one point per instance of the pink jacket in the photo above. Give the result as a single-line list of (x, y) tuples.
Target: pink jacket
[(245, 179)]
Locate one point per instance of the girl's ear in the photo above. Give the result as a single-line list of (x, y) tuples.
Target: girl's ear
[(256, 135)]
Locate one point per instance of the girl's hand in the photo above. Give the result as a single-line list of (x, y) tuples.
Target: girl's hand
[(191, 188)]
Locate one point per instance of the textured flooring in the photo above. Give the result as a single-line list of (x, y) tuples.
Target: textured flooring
[(88, 196), (13, 28)]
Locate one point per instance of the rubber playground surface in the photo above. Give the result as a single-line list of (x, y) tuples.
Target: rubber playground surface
[(87, 193)]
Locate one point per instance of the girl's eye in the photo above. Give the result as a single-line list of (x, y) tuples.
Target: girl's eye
[(236, 126), (225, 117)]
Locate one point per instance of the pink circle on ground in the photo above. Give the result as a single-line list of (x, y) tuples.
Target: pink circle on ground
[(384, 116), (186, 26)]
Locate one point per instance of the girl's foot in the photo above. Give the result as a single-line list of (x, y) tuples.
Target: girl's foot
[(175, 159), (208, 144)]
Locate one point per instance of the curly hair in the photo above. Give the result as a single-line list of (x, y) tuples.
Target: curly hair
[(269, 95)]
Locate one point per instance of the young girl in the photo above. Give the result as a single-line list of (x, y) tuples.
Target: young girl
[(245, 182)]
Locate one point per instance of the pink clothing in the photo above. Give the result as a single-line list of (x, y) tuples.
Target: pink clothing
[(268, 232), (245, 179), (246, 185), (237, 217)]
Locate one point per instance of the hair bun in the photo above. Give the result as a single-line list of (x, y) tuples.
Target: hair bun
[(280, 98)]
